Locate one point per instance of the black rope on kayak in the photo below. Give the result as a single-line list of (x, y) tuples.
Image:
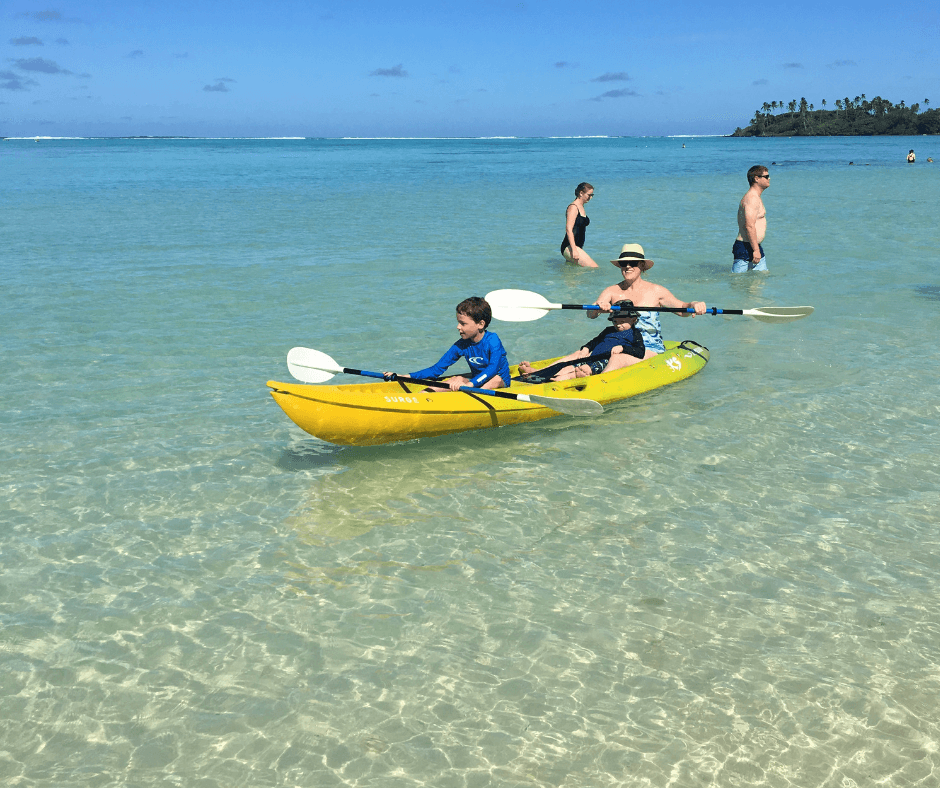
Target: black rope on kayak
[(687, 344)]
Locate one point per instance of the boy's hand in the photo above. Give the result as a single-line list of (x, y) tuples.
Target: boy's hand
[(390, 375), (456, 383)]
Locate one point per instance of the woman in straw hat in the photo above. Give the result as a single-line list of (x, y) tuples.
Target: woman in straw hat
[(632, 263)]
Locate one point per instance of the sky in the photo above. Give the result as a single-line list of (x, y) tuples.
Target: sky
[(444, 68)]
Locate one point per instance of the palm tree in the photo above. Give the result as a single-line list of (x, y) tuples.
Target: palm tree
[(926, 102), (824, 103)]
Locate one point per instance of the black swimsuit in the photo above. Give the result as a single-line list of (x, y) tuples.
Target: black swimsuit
[(580, 222)]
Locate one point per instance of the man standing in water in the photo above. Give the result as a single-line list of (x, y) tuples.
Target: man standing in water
[(752, 224)]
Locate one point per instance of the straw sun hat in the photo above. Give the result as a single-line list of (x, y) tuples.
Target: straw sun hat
[(634, 253)]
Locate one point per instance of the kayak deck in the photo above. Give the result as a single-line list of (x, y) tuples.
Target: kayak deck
[(368, 414)]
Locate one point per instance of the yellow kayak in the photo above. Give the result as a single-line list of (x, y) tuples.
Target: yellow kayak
[(367, 414)]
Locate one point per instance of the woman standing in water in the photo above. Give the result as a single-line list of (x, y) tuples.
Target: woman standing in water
[(576, 220)]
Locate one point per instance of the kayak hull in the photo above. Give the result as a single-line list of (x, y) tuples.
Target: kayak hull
[(369, 414)]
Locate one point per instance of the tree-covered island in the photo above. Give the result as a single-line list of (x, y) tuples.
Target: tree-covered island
[(851, 117)]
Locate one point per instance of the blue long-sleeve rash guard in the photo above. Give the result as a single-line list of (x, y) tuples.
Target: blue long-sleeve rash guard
[(486, 359)]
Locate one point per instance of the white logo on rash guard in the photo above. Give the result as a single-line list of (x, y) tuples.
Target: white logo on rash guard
[(477, 360)]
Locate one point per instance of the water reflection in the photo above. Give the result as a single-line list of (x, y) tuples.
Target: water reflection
[(402, 484)]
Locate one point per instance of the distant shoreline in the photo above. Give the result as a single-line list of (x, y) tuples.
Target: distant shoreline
[(851, 118)]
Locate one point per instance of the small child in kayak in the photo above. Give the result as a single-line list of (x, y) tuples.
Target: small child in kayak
[(484, 352), (617, 346)]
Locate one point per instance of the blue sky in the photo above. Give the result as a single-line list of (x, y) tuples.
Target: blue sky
[(414, 68)]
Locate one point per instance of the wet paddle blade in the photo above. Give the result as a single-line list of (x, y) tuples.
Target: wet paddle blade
[(779, 314), (517, 306), (570, 406), (311, 366)]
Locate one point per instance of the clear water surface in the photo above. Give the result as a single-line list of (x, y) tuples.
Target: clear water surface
[(728, 582)]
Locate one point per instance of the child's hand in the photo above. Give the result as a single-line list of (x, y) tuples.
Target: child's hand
[(456, 383), (390, 375)]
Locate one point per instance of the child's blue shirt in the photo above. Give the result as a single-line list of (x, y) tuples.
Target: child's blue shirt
[(486, 358)]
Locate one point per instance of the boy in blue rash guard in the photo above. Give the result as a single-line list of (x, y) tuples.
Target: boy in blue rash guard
[(484, 352), (617, 346)]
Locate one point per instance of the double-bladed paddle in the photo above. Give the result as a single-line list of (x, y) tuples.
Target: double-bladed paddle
[(313, 366), (523, 305)]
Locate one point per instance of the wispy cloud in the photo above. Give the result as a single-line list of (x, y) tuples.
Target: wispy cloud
[(181, 55), (842, 63), (43, 16), (11, 81), (612, 76), (62, 42), (40, 65), (760, 82), (610, 94), (793, 65), (219, 86), (26, 41), (135, 54), (564, 64), (394, 71)]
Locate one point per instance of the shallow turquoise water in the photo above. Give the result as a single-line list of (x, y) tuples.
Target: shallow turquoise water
[(728, 582)]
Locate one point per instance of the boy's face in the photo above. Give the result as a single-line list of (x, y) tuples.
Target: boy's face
[(468, 328), (623, 322)]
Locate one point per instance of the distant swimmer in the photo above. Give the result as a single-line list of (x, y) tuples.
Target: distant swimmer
[(576, 221), (752, 224), (929, 160), (910, 157)]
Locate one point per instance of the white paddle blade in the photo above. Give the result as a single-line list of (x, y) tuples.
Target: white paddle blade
[(311, 366), (779, 314), (571, 406), (517, 306)]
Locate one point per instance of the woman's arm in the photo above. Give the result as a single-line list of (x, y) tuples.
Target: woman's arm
[(667, 299)]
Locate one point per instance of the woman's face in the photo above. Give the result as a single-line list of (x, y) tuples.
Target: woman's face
[(630, 271)]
